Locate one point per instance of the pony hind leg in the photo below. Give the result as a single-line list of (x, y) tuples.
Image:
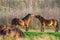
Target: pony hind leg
[(26, 28), (57, 28)]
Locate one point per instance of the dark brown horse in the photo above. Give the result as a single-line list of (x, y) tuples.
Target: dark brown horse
[(46, 22), (23, 22)]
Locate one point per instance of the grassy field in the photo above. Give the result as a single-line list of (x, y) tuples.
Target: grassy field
[(31, 34), (36, 36), (43, 35)]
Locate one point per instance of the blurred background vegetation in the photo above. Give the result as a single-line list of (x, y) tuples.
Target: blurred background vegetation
[(10, 9)]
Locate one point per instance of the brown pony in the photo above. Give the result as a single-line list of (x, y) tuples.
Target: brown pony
[(11, 30), (22, 22), (46, 22)]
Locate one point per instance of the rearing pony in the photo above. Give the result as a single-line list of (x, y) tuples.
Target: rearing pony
[(45, 22), (22, 22)]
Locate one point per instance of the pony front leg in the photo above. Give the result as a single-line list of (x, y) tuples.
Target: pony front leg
[(56, 27), (26, 28), (42, 29)]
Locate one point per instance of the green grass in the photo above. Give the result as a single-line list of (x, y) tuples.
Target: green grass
[(31, 34)]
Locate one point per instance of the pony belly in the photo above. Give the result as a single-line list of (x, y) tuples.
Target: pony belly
[(21, 23), (50, 24)]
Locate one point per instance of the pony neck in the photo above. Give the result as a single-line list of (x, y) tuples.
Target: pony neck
[(41, 19), (27, 18)]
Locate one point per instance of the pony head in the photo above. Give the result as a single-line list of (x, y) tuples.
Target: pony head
[(37, 16), (31, 15)]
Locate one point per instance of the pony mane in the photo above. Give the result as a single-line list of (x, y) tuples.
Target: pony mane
[(26, 17), (41, 16)]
